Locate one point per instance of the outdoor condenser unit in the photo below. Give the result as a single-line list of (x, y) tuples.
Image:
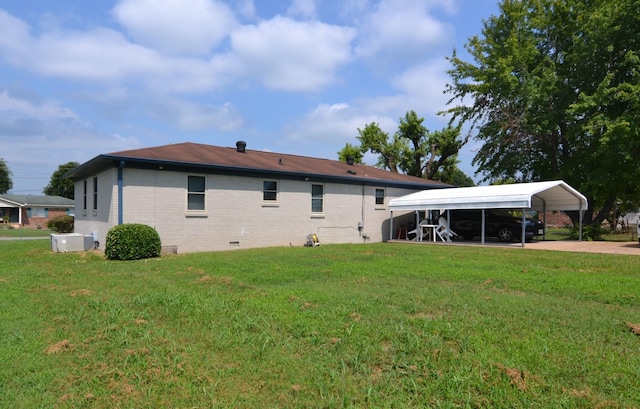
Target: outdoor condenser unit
[(62, 243)]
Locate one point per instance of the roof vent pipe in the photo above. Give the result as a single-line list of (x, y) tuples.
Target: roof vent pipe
[(241, 146), (350, 160)]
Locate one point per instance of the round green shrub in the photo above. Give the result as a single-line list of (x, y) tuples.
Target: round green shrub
[(61, 224), (132, 242)]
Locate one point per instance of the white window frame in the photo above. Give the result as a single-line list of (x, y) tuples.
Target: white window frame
[(85, 199), (321, 198), (95, 196), (270, 202), (203, 193), (376, 197), (40, 212)]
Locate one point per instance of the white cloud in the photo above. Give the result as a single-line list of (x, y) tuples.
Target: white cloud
[(353, 9), (105, 56), (246, 8), (329, 126), (332, 125), (281, 53), (292, 56), (99, 54), (419, 88), (15, 39), (176, 27), (20, 108), (188, 115), (38, 136), (305, 9), (402, 28)]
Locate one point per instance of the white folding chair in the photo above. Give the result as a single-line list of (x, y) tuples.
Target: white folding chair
[(419, 231), (443, 231)]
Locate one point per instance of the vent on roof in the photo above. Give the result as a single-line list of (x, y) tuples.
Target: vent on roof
[(241, 146), (350, 160)]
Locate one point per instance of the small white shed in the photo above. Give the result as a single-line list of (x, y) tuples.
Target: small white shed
[(540, 196)]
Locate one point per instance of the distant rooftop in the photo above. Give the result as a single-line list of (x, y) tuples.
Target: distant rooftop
[(41, 201)]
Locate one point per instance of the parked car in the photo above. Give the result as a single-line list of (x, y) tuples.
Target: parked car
[(499, 223)]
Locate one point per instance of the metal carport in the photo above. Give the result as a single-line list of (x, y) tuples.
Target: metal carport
[(540, 196)]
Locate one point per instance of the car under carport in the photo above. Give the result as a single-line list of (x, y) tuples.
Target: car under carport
[(540, 196)]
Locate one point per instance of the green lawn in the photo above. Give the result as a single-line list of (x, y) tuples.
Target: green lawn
[(6, 232), (375, 325), (554, 233)]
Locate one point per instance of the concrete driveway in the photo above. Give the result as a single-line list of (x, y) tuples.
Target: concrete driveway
[(609, 247)]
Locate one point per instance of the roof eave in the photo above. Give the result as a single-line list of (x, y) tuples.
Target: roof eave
[(102, 162), (14, 203)]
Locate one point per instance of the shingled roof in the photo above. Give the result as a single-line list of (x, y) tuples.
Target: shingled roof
[(238, 160), (36, 201)]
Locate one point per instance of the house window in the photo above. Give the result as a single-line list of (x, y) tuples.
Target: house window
[(84, 196), (196, 190), (317, 198), (380, 197), (95, 193), (270, 191), (37, 212)]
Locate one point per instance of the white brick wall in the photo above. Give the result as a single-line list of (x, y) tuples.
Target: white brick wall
[(236, 216)]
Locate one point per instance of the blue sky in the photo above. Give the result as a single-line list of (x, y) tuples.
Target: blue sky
[(81, 78)]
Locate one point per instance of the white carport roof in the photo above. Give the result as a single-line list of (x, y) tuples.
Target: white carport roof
[(542, 196)]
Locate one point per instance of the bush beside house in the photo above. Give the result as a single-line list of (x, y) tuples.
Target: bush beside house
[(61, 224), (132, 242)]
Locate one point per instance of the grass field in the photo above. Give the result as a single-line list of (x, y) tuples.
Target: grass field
[(376, 325), (17, 233), (553, 233)]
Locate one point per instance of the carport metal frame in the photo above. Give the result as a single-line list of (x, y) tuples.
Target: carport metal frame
[(540, 196)]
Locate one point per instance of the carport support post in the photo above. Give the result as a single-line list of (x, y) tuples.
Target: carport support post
[(544, 219), (524, 225), (580, 234), (391, 226), (482, 232)]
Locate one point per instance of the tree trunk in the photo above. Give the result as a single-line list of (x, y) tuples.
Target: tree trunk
[(588, 218)]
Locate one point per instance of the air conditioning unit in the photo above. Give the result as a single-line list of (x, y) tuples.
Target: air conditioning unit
[(62, 243)]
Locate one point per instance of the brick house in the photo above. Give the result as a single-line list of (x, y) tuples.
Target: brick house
[(208, 198), (33, 212)]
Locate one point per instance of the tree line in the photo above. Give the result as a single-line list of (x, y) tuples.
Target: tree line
[(57, 186), (551, 90), (413, 150)]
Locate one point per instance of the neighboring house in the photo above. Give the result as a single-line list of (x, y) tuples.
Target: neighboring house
[(208, 198), (556, 219), (33, 211)]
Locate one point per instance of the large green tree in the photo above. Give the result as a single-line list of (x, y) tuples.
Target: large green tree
[(6, 183), (552, 91), (58, 185), (413, 149)]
